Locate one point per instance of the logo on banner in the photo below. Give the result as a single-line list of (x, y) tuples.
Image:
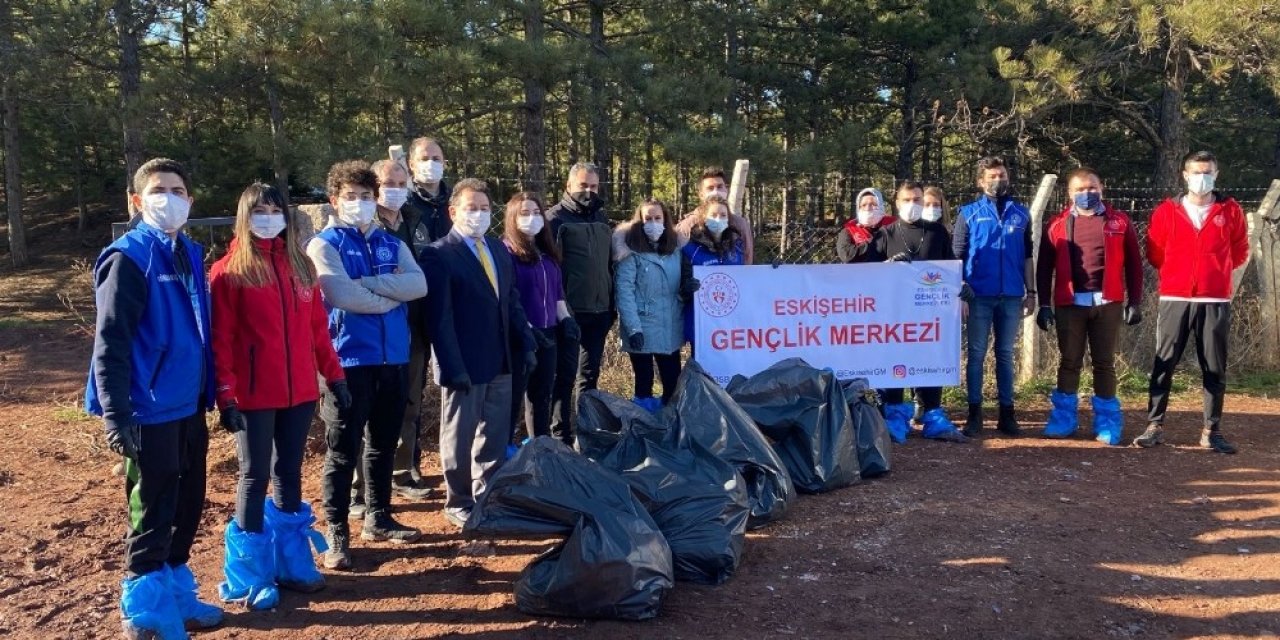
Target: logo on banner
[(899, 371), (931, 278), (718, 296)]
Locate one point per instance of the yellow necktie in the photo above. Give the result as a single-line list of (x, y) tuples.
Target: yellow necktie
[(488, 266)]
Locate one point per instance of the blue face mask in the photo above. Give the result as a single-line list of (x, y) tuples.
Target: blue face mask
[(1088, 200)]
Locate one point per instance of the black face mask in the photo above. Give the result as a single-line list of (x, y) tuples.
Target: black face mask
[(587, 200), (997, 188)]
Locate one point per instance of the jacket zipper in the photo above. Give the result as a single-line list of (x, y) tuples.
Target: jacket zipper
[(284, 323), (546, 288), (155, 375), (253, 368)]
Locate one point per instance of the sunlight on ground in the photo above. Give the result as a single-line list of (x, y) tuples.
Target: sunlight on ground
[(969, 562)]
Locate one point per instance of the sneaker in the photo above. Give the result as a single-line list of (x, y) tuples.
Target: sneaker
[(339, 554), (411, 492), (1153, 436), (356, 510), (1008, 422), (381, 527), (973, 425), (1214, 440), (457, 517)]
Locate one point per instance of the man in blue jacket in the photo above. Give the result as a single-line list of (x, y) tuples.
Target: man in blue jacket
[(366, 275), (993, 237), (478, 329), (151, 380)]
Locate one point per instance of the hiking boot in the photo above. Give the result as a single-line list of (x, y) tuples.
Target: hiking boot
[(1214, 440), (1153, 436), (379, 526), (973, 425), (457, 517), (411, 492), (339, 540), (1008, 424), (356, 510)]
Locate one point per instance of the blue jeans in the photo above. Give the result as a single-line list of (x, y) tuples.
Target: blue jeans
[(1004, 314)]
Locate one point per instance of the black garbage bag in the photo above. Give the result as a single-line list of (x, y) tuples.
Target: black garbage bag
[(698, 500), (873, 442), (702, 412), (803, 410), (603, 418), (615, 562)]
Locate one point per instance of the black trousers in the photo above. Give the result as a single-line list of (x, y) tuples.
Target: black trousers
[(377, 409), (531, 390), (271, 449), (164, 491), (928, 397), (1208, 325), (578, 366), (668, 371), (1098, 328)]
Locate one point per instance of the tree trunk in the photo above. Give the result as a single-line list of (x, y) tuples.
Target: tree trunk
[(1173, 133), (279, 143), (601, 154), (193, 137), (129, 26), (650, 134), (408, 119), (535, 101), (907, 111), (12, 150)]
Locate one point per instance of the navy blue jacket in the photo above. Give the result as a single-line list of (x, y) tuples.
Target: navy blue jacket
[(363, 339), (152, 360), (473, 331), (994, 245)]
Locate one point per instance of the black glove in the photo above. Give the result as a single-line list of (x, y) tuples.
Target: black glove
[(341, 395), (689, 287), (777, 262), (636, 341), (1044, 318), (543, 339), (460, 383), (232, 420), (1132, 314), (570, 330), (124, 440), (530, 361), (901, 256), (966, 292)]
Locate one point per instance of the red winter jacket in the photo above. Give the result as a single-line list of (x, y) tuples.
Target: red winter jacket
[(1121, 268), (1197, 263), (269, 341)]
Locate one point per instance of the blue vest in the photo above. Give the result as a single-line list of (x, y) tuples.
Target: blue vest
[(997, 251), (171, 341), (360, 338)]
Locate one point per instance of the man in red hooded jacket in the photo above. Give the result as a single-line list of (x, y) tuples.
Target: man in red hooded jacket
[(1196, 243)]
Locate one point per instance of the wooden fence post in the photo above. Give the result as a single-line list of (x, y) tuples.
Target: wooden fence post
[(1264, 238), (1032, 343)]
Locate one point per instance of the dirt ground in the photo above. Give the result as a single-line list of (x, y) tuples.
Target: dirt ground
[(1024, 538)]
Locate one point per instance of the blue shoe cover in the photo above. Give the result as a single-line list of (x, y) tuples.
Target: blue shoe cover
[(195, 614), (293, 536), (1062, 418), (936, 424), (147, 607), (249, 567), (897, 418), (650, 404), (1108, 422)]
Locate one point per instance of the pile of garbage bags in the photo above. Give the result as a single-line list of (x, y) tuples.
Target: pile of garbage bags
[(650, 499)]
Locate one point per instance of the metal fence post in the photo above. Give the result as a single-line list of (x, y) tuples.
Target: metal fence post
[(1031, 344)]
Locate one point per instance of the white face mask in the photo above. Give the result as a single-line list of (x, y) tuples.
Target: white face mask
[(473, 224), (716, 226), (165, 211), (357, 213), (870, 218), (932, 214), (393, 197), (1200, 183), (723, 193), (428, 171), (266, 225), (912, 212), (529, 225), (653, 230)]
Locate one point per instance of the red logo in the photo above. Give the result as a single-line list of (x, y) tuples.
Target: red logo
[(718, 296), (1219, 220), (899, 371)]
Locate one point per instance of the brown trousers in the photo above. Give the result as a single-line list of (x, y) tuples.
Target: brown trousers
[(1099, 329)]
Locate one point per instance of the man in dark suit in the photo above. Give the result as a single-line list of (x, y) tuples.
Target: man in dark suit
[(478, 331)]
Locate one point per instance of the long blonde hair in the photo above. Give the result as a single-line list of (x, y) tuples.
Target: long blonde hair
[(246, 264)]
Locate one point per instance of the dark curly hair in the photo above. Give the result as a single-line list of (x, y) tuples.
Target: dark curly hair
[(353, 172)]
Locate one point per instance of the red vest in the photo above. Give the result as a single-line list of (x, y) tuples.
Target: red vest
[(1113, 233)]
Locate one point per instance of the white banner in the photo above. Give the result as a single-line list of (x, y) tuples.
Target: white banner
[(896, 324)]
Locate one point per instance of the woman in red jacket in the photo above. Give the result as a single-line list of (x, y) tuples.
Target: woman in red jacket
[(270, 337)]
